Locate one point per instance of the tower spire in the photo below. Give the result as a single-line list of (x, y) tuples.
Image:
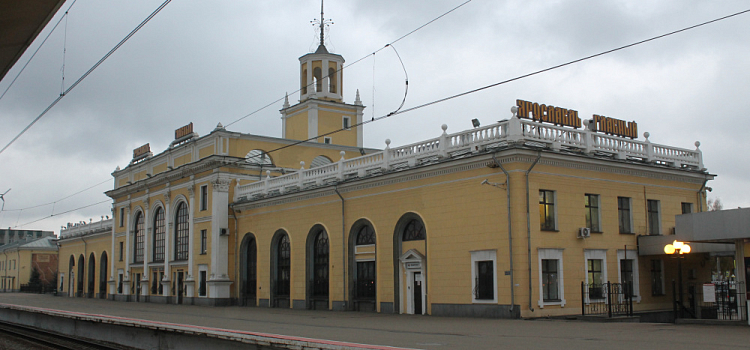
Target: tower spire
[(322, 21)]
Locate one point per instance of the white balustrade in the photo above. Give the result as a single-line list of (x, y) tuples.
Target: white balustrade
[(556, 137)]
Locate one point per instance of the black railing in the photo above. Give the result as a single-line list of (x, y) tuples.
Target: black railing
[(716, 300), (609, 299), (36, 288)]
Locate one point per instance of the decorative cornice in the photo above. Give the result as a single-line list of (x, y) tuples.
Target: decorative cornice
[(221, 184)]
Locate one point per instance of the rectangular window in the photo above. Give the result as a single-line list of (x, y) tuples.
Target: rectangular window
[(327, 140), (623, 213), (204, 197), (657, 277), (550, 283), (202, 281), (654, 223), (121, 250), (547, 210), (122, 216), (346, 123), (204, 238), (592, 212), (595, 278), (687, 208)]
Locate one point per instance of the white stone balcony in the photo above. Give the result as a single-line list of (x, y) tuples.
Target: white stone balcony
[(83, 228), (496, 136)]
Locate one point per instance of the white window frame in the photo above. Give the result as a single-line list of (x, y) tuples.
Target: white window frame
[(327, 140), (204, 242), (658, 218), (551, 254), (204, 197), (630, 215), (122, 216), (476, 257), (554, 206), (596, 254), (632, 255), (202, 268), (599, 229), (346, 122)]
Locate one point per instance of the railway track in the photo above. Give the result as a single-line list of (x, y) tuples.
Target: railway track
[(42, 339)]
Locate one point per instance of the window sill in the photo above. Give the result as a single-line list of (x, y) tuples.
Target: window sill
[(627, 233), (560, 303), (202, 253), (549, 230), (484, 301)]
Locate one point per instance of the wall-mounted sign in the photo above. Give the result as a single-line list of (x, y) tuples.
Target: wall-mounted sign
[(141, 150), (183, 131), (548, 113), (413, 265), (615, 126)]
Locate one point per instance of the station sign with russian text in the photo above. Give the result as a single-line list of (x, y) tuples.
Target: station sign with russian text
[(548, 113), (183, 131), (568, 117), (141, 150)]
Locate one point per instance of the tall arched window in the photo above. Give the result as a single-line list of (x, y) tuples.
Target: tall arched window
[(331, 80), (414, 231), (365, 288), (284, 264), (181, 233), (159, 230), (318, 77), (139, 238), (320, 264)]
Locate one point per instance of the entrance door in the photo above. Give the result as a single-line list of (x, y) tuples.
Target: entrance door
[(417, 293), (137, 287), (180, 287)]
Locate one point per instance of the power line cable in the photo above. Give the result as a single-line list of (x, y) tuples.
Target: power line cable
[(65, 212), (355, 62), (37, 49), (65, 93), (59, 200), (508, 80)]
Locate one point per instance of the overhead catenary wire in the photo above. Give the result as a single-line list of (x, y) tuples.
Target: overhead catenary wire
[(37, 49), (59, 200), (353, 63), (65, 92), (508, 80), (65, 212)]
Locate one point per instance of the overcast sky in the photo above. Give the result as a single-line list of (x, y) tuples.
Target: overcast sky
[(210, 62)]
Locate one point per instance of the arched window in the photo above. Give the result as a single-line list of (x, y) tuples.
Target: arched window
[(283, 262), (159, 230), (414, 231), (138, 242), (320, 161), (258, 157), (331, 80), (304, 82), (181, 231), (366, 235), (320, 264), (317, 75)]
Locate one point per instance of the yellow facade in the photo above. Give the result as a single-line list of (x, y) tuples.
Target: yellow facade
[(19, 259)]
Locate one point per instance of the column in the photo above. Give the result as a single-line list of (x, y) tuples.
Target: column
[(112, 282), (165, 282), (218, 282), (128, 233), (189, 280), (146, 243)]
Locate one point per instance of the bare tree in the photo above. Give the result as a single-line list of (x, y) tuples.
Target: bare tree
[(714, 204)]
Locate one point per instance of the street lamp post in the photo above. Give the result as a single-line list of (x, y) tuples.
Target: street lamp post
[(677, 249)]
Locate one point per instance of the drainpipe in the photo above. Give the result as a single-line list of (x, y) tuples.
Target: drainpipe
[(343, 245), (510, 235), (236, 252), (700, 193), (528, 226)]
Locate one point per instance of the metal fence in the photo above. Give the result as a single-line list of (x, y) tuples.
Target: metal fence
[(716, 300), (36, 288), (607, 299)]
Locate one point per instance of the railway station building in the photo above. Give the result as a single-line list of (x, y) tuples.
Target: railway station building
[(504, 220)]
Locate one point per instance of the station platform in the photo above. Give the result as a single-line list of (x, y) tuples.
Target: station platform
[(303, 329)]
